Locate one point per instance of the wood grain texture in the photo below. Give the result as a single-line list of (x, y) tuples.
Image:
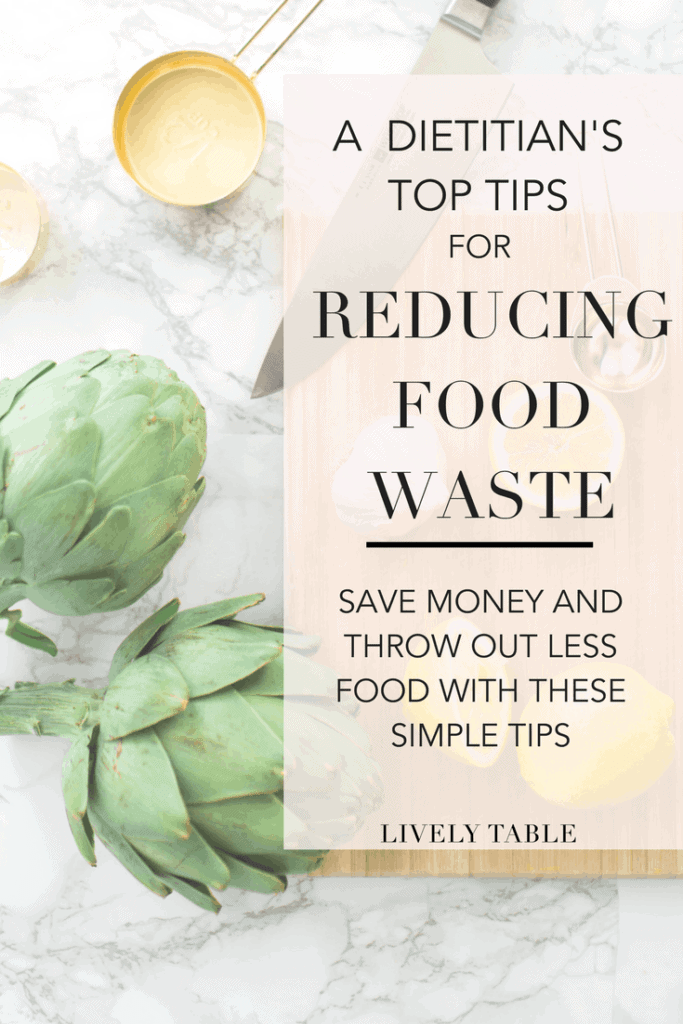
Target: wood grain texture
[(494, 863)]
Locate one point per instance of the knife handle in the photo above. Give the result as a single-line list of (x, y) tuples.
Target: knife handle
[(468, 15)]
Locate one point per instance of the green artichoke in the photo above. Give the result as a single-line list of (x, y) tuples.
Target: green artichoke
[(177, 766), (100, 458)]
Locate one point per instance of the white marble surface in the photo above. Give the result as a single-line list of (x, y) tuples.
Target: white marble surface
[(333, 951), (201, 289), (649, 969)]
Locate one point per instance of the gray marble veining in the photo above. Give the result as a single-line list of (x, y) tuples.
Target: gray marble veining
[(343, 951)]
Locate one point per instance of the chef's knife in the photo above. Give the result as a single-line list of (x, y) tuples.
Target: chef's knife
[(345, 258)]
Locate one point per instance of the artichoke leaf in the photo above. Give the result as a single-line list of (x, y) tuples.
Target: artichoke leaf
[(248, 633), (71, 597), (4, 459), (306, 678), (120, 423), (140, 576), (212, 658), (84, 837), (27, 635), (267, 714), (168, 388), (75, 779), (186, 458), (214, 733), (305, 643), (11, 548), (124, 388), (51, 524), (247, 827), (146, 691), (9, 594), (266, 682), (51, 463), (171, 408), (11, 387), (76, 774), (100, 547), (293, 862), (261, 625), (79, 365), (193, 891), (123, 770), (117, 844), (49, 405), (334, 742), (244, 875), (152, 377), (307, 717), (190, 503), (219, 611), (144, 463), (191, 857), (119, 597), (155, 514), (294, 676), (136, 642), (243, 826)]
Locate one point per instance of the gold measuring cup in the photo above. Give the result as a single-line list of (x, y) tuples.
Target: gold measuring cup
[(189, 127), (23, 226)]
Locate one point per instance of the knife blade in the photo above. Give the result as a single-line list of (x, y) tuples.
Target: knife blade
[(343, 257)]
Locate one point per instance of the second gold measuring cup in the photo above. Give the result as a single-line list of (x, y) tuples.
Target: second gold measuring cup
[(189, 127)]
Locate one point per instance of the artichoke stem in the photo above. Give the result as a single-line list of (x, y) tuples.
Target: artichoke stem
[(55, 710)]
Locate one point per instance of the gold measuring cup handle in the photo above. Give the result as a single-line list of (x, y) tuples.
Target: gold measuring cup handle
[(281, 44)]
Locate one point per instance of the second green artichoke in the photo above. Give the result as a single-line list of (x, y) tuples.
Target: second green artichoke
[(178, 765), (100, 460)]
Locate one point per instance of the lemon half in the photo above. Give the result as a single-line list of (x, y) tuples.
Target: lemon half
[(616, 751), (597, 444)]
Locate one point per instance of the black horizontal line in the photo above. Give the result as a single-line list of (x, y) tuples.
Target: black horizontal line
[(479, 544)]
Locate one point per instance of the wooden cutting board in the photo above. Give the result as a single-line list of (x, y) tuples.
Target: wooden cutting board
[(638, 259), (564, 863)]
